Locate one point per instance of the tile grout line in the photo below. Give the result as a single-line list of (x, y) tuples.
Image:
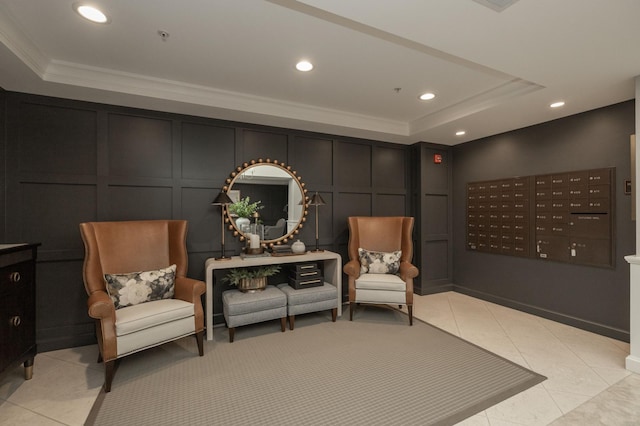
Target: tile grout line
[(584, 361), (515, 345), (453, 315), (36, 413)]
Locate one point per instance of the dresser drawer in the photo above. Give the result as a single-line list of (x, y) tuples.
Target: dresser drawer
[(15, 277), (17, 323)]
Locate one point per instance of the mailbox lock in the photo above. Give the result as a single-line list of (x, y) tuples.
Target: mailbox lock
[(573, 250)]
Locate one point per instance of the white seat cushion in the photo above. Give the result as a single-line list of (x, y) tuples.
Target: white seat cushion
[(154, 336), (150, 314), (387, 282)]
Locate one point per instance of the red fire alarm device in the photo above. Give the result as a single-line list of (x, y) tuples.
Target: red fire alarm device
[(437, 158)]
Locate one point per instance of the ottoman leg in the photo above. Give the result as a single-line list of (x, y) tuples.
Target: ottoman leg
[(283, 324), (232, 334), (334, 314), (292, 319)]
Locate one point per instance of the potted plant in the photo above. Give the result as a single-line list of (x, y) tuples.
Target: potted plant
[(251, 279), (244, 209)]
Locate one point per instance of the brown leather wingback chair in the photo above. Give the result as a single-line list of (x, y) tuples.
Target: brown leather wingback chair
[(381, 234), (125, 247)]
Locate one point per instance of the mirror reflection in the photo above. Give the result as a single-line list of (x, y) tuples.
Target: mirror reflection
[(269, 200)]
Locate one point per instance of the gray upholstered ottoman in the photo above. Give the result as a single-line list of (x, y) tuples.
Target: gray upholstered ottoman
[(311, 299), (249, 308)]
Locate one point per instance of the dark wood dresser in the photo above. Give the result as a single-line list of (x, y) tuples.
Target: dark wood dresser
[(18, 307)]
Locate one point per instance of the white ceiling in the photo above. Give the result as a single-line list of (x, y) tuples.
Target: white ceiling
[(492, 71)]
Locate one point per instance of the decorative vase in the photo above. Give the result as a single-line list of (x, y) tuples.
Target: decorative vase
[(298, 247), (251, 285), (242, 223)]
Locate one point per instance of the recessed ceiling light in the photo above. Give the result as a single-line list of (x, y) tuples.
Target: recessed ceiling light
[(304, 66), (91, 13), (427, 96), (461, 133), (557, 104)]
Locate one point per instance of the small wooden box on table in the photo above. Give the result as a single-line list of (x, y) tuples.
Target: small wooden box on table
[(305, 275)]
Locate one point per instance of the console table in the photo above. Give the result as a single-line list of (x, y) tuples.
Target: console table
[(332, 266)]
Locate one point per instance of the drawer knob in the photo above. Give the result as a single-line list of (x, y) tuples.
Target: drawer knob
[(14, 277), (15, 321)]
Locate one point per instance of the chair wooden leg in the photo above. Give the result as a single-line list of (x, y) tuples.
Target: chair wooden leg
[(410, 309), (200, 341), (232, 334), (351, 308), (283, 324), (334, 314), (292, 319), (109, 372)]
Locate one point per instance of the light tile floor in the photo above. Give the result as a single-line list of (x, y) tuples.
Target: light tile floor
[(587, 383)]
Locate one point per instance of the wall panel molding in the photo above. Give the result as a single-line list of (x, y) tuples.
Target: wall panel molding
[(432, 206), (71, 161)]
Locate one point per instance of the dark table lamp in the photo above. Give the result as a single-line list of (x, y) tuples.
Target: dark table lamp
[(222, 200), (317, 200)]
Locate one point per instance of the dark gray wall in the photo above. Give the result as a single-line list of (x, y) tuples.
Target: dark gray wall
[(3, 96), (432, 202), (65, 162), (69, 162), (593, 298)]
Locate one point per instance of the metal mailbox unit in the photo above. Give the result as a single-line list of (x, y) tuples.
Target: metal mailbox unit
[(566, 217), (574, 217), (498, 216)]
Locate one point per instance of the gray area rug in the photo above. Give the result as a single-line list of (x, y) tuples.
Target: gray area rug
[(376, 370)]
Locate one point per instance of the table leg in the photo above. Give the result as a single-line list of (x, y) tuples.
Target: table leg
[(209, 304)]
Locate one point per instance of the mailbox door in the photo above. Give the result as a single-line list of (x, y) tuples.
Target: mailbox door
[(553, 248), (590, 226), (591, 251)]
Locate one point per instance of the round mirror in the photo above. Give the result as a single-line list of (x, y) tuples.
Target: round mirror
[(269, 199)]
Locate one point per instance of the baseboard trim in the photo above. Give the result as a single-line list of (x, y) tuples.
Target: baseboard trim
[(84, 337), (423, 291), (69, 336), (593, 327), (53, 344), (632, 363)]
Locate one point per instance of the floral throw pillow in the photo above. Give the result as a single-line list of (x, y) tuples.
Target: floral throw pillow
[(377, 262), (139, 287)]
